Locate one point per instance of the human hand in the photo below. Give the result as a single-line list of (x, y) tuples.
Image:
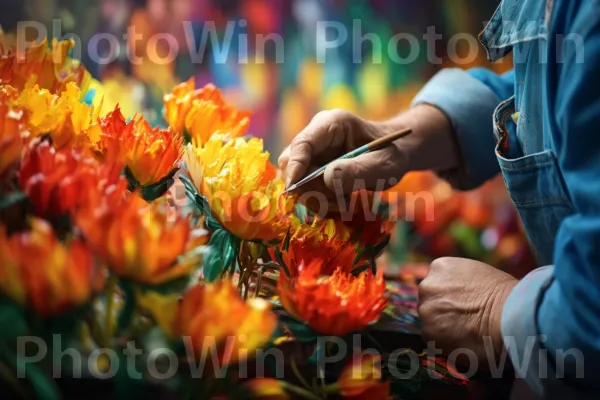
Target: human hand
[(333, 133), (460, 304)]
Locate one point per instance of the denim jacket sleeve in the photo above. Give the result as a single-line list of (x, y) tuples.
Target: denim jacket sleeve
[(557, 309), (469, 99)]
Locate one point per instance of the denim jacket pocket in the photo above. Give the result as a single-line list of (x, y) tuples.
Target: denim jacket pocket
[(514, 22), (535, 185)]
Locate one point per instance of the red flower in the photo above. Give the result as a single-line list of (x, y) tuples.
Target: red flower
[(59, 181)]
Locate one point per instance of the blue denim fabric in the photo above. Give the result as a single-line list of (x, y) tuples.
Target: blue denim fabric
[(545, 128)]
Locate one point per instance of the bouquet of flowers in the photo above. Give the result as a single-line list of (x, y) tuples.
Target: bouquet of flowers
[(99, 258)]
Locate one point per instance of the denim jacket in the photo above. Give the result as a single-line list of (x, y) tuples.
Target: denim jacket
[(539, 125)]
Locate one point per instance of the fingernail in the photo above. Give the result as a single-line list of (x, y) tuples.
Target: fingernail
[(337, 173)]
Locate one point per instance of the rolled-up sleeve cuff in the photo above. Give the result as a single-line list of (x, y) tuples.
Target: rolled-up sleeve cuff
[(520, 331), (470, 105)]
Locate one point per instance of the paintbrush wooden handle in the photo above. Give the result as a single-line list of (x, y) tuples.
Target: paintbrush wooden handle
[(383, 141), (374, 145)]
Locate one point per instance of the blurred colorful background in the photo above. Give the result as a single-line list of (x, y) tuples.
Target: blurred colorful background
[(285, 93)]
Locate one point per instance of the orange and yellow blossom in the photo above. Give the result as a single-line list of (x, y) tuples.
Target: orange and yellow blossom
[(136, 240), (265, 388), (213, 315), (38, 271), (337, 304), (203, 113), (241, 187), (64, 117), (49, 67), (323, 240), (150, 153), (11, 143), (361, 379), (216, 315)]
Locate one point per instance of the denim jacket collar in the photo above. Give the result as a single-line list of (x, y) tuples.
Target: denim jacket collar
[(514, 23)]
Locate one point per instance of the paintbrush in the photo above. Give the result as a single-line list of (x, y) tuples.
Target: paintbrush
[(367, 148)]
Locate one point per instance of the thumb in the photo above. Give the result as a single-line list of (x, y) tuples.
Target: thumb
[(373, 171)]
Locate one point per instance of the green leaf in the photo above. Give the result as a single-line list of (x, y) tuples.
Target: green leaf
[(299, 330), (359, 254), (212, 224), (132, 183), (12, 321), (41, 384), (468, 238), (153, 192), (279, 257), (129, 306), (221, 255), (187, 139), (11, 199), (286, 242), (374, 251), (213, 265), (357, 234), (359, 270)]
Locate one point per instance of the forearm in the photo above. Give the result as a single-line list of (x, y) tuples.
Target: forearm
[(469, 101)]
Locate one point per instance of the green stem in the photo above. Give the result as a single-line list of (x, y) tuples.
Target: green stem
[(331, 389), (297, 373), (303, 393), (110, 304)]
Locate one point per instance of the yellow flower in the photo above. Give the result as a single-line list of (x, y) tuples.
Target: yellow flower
[(64, 117), (216, 315), (213, 316), (241, 187), (38, 271), (203, 113), (50, 68)]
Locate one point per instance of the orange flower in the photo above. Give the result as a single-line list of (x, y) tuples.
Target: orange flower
[(322, 240), (11, 142), (106, 135), (136, 240), (361, 379), (265, 388), (49, 67), (334, 305), (241, 187), (203, 113), (38, 271), (150, 153), (215, 316), (53, 179)]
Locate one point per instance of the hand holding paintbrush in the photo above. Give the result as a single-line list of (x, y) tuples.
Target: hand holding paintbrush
[(370, 147)]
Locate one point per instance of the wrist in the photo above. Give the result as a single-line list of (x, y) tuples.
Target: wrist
[(495, 323)]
